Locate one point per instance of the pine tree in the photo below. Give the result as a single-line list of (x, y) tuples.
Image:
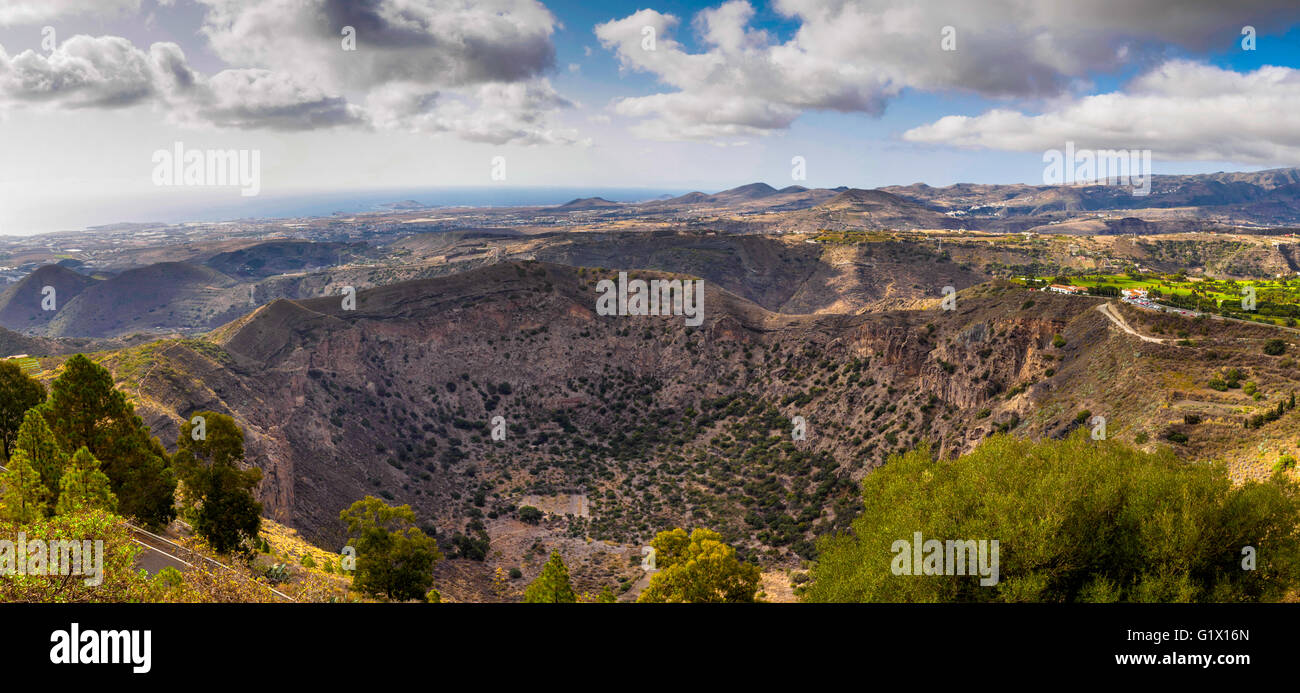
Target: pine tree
[(84, 487), (23, 498), (37, 442), (18, 393), (218, 494), (552, 585), (86, 410)]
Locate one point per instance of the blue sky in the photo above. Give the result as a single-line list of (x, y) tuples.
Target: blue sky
[(568, 94)]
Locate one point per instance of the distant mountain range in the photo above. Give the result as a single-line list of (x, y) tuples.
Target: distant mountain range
[(196, 284), (1260, 198)]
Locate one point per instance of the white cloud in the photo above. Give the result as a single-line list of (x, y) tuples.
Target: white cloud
[(1180, 110), (495, 113), (110, 72), (432, 42), (471, 69), (83, 72), (854, 57), (253, 98), (15, 12)]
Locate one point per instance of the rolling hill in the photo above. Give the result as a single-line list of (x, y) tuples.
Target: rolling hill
[(167, 295), (20, 303)]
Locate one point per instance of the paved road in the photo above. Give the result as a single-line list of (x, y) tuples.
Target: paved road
[(152, 560), (160, 552), (163, 552)]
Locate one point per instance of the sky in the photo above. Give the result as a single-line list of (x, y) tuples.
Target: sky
[(365, 95)]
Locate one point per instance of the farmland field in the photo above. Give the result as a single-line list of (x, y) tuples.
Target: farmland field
[(1277, 301)]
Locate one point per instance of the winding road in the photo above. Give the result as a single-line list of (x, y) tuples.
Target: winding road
[(1110, 312)]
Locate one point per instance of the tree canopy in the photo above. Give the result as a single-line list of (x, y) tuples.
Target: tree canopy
[(85, 409), (83, 487), (551, 586), (218, 497), (37, 443), (394, 558), (1076, 520), (18, 393), (698, 568), (23, 498)]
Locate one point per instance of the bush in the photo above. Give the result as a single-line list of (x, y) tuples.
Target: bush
[(530, 515), (1077, 520), (1058, 341), (1275, 347)]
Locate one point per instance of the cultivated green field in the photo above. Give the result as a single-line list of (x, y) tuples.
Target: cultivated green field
[(1277, 301)]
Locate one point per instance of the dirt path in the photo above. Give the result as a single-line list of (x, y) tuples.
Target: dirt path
[(1115, 317)]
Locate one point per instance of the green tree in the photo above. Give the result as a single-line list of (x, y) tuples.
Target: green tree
[(394, 558), (121, 580), (529, 514), (1076, 520), (18, 393), (218, 495), (23, 498), (85, 409), (698, 568), (37, 442), (84, 487), (551, 586)]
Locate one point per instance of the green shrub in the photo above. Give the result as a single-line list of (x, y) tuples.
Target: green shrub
[(530, 515), (1077, 520)]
